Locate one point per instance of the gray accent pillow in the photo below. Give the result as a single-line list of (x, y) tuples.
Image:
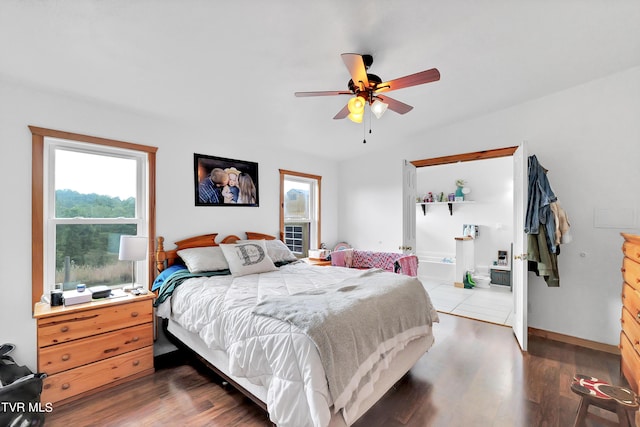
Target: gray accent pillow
[(277, 250), (250, 257), (209, 258)]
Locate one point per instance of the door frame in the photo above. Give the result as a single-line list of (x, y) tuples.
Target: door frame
[(466, 157), (409, 180)]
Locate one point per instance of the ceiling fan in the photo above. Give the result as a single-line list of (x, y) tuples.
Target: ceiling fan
[(366, 89)]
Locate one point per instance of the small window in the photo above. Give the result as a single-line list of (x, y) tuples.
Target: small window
[(87, 192), (95, 196), (300, 211)]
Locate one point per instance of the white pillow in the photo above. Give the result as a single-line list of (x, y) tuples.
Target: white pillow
[(276, 249), (248, 258), (209, 258)]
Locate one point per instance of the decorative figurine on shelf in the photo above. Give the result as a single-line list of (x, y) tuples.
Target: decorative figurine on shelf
[(430, 197)]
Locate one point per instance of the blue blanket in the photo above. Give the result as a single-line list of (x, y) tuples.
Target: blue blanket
[(177, 278)]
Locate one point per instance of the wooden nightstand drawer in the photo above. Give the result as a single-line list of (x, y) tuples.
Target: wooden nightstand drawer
[(631, 272), (76, 353), (80, 324), (79, 380)]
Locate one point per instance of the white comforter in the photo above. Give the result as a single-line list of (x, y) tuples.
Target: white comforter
[(267, 351)]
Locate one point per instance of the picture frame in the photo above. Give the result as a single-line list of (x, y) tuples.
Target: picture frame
[(219, 181)]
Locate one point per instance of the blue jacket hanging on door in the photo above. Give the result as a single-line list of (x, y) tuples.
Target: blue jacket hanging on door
[(539, 204), (542, 250)]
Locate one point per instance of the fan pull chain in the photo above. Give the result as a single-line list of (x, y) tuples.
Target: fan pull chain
[(364, 128)]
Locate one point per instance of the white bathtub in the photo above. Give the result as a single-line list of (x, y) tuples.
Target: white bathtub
[(437, 267)]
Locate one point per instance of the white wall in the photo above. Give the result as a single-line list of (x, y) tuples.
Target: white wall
[(491, 184), (177, 217), (588, 137)]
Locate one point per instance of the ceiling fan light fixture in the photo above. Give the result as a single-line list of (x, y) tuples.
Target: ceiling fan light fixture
[(378, 108), (355, 118), (356, 105)]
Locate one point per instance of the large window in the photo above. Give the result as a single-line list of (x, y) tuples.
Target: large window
[(90, 191), (300, 211)]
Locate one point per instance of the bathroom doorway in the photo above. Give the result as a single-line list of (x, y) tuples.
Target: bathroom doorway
[(488, 204)]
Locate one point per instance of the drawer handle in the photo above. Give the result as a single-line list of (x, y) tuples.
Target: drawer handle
[(134, 314), (638, 316), (136, 362), (66, 386), (133, 339), (64, 329), (111, 350), (623, 270), (65, 357)]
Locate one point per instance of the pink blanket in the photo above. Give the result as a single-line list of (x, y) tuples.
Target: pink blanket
[(408, 265), (342, 258)]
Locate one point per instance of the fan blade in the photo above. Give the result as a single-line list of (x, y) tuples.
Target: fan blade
[(323, 93), (342, 113), (355, 64), (395, 105), (422, 77)]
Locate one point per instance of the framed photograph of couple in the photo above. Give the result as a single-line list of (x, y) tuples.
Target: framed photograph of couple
[(225, 182)]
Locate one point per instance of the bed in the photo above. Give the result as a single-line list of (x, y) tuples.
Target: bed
[(312, 345)]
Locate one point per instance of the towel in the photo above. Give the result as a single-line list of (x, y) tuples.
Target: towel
[(407, 265)]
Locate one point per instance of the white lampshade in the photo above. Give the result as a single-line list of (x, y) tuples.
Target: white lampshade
[(378, 108), (132, 248)]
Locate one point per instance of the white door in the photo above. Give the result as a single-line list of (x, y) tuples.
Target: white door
[(519, 255), (409, 183)]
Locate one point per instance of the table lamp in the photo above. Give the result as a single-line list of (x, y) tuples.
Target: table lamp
[(132, 248)]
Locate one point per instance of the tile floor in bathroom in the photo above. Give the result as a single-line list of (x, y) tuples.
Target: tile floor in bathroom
[(494, 304)]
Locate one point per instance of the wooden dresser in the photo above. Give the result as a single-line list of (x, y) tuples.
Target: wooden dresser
[(630, 334), (95, 345)]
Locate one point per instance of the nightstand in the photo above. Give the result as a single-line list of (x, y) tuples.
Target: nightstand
[(317, 261), (88, 347)]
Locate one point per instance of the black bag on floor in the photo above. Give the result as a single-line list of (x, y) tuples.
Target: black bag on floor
[(20, 390)]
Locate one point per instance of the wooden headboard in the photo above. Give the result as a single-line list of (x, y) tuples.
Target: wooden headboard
[(166, 258)]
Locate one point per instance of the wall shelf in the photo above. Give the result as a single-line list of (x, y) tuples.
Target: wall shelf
[(450, 204)]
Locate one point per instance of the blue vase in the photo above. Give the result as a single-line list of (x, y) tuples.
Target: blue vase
[(459, 192)]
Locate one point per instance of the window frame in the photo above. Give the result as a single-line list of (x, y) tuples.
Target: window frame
[(39, 195), (317, 214)]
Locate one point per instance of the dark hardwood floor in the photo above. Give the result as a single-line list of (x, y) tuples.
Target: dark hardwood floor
[(474, 375)]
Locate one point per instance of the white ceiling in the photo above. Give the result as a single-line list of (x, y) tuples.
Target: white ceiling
[(221, 63)]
